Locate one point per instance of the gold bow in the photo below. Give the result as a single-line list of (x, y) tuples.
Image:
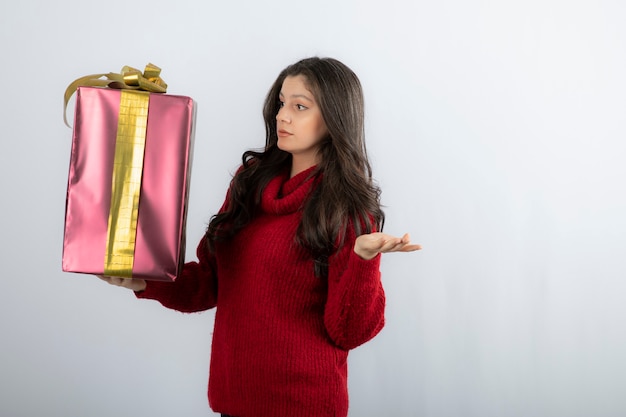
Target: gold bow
[(129, 78)]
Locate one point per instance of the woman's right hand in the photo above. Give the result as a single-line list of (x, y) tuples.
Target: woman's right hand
[(130, 283)]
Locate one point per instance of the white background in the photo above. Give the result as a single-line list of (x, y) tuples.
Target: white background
[(496, 130)]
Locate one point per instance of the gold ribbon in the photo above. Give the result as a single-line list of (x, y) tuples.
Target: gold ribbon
[(126, 183), (129, 78)]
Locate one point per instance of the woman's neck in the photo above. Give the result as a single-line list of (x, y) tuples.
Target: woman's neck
[(299, 165)]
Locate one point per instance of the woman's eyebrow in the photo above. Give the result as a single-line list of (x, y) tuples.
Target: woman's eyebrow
[(297, 96)]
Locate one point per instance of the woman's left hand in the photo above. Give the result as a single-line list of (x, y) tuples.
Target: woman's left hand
[(369, 245)]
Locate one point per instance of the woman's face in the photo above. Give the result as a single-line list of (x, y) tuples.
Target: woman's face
[(299, 122)]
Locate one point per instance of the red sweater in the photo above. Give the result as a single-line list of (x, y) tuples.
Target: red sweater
[(281, 336)]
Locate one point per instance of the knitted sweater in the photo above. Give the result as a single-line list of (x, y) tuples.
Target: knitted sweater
[(281, 335)]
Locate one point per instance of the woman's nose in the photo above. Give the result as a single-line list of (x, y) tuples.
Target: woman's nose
[(283, 116)]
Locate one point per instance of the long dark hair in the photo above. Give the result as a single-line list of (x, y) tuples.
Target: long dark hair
[(345, 194)]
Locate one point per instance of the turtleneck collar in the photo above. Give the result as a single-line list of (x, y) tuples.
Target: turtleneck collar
[(284, 195)]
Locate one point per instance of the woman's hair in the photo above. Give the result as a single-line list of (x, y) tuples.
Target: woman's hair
[(345, 194)]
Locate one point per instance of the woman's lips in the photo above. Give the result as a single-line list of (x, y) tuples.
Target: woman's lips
[(283, 133)]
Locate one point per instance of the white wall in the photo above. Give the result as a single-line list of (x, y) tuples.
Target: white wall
[(496, 130)]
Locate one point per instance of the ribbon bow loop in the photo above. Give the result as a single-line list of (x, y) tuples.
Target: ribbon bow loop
[(129, 78), (149, 80)]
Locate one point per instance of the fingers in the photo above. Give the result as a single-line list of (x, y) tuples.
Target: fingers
[(389, 244), (131, 284), (110, 280), (394, 244), (369, 245), (121, 282), (113, 280), (407, 245)]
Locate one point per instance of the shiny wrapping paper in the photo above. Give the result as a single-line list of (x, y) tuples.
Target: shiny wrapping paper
[(159, 228)]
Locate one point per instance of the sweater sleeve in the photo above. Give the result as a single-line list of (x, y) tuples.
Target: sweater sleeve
[(194, 290), (355, 307)]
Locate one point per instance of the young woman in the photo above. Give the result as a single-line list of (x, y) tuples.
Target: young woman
[(291, 261)]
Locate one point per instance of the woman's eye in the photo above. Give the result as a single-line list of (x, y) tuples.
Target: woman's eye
[(301, 107), (281, 104)]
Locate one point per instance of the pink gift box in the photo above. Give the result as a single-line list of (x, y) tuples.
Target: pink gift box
[(160, 231)]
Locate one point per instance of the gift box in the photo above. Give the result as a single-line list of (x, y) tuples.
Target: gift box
[(128, 183)]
